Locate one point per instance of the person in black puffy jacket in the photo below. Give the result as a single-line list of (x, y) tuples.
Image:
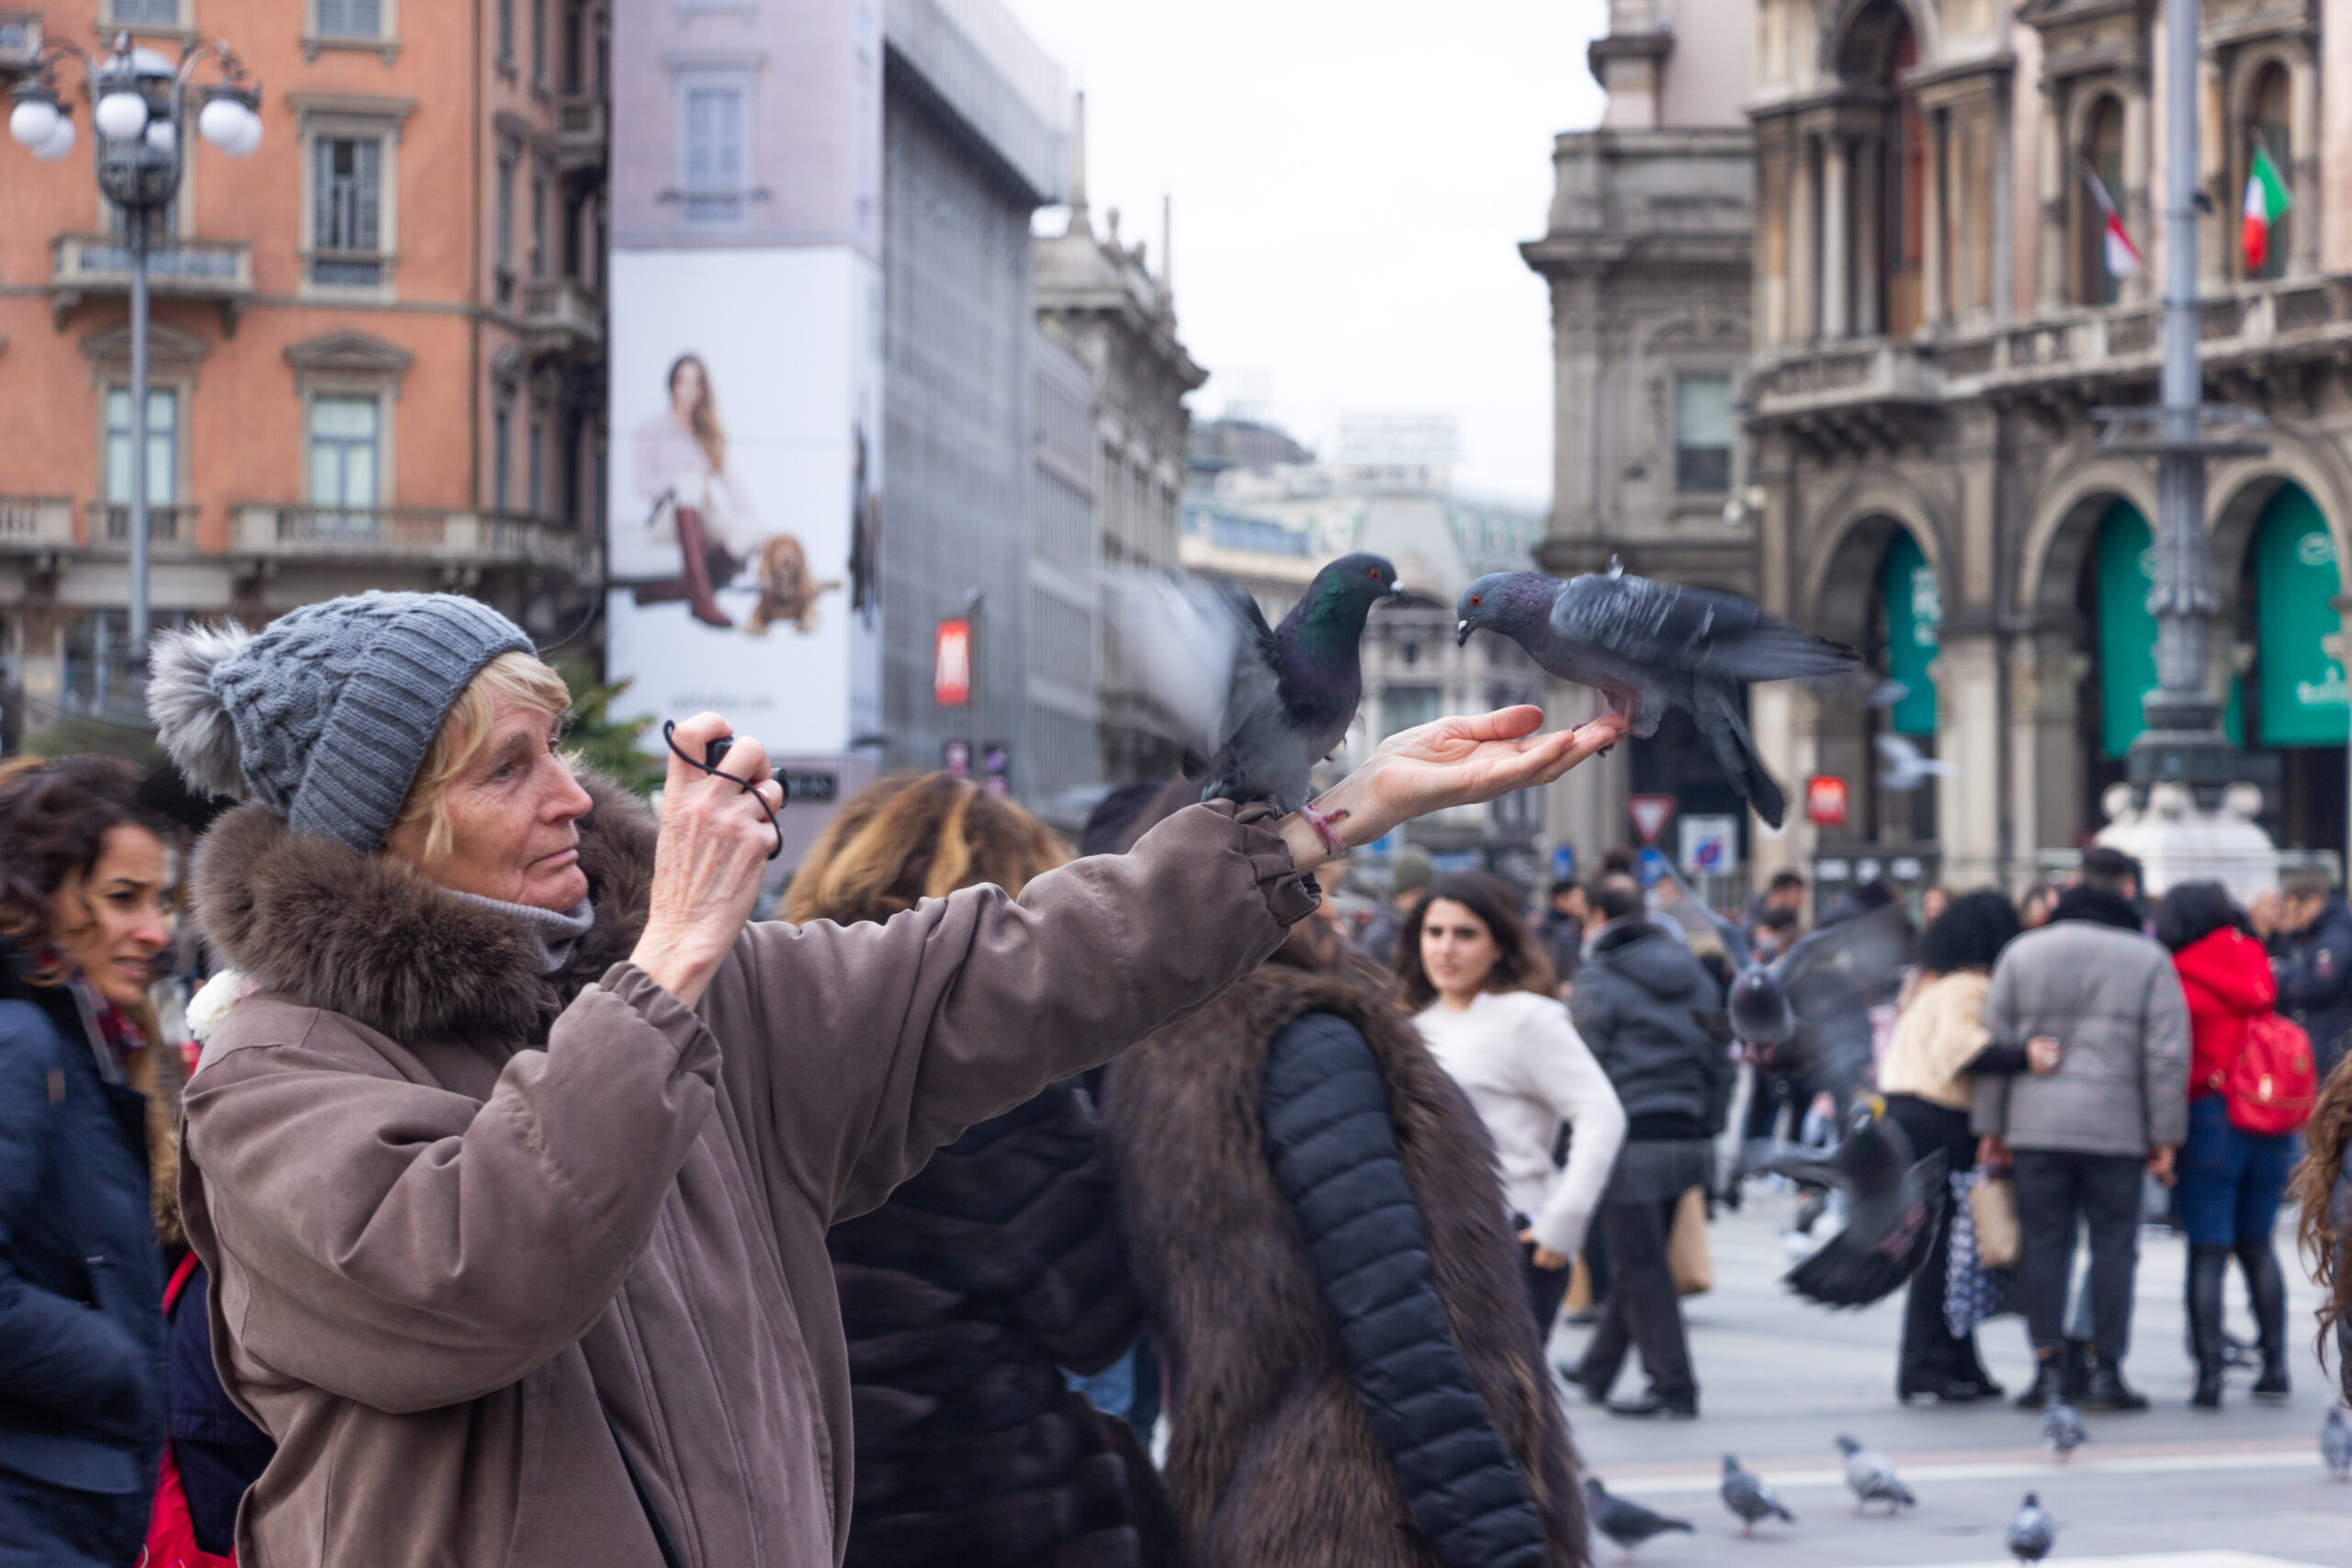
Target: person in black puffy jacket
[(998, 1266), (1313, 1211)]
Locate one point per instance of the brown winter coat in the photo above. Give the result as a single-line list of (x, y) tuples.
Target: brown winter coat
[(434, 1247), (1273, 1462)]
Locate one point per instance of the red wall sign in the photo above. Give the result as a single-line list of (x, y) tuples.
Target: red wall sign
[(1825, 800), (951, 664)]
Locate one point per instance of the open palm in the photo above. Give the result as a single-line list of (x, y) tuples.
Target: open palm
[(1462, 760)]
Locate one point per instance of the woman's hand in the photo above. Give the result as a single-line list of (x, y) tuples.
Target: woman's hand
[(1993, 1152), (714, 845), (2043, 1053), (1544, 1258), (1454, 761)]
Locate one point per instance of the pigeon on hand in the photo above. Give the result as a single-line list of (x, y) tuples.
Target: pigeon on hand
[(1263, 704), (1872, 1479), (1625, 1521), (2062, 1429), (1892, 1203), (1746, 1496), (1649, 646), (1907, 766), (2336, 1445), (2032, 1532)]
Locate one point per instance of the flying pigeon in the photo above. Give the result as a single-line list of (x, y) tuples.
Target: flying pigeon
[(1746, 1496), (1892, 1205), (1263, 704), (1873, 1479), (1908, 767), (1625, 1521), (2336, 1445), (2032, 1532), (1807, 1011), (1649, 646), (2062, 1429)]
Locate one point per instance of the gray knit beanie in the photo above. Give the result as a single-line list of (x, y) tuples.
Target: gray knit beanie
[(326, 715)]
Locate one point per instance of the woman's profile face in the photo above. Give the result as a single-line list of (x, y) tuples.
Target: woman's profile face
[(1458, 952), (686, 387), (112, 919)]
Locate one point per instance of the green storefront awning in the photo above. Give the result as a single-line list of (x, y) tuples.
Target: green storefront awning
[(2296, 582), (1914, 614), (2124, 555)]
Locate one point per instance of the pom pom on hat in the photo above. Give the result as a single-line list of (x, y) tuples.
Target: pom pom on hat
[(190, 718)]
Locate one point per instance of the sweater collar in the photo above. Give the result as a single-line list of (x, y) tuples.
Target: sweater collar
[(2098, 907), (554, 935)]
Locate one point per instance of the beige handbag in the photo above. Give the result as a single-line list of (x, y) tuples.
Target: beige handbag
[(1992, 1209), (1686, 1247)]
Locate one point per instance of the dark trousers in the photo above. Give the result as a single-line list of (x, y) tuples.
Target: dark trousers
[(1643, 1308), (1546, 1288), (2056, 1188), (1932, 1355)]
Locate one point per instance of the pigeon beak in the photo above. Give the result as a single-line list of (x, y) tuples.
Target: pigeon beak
[(1460, 633)]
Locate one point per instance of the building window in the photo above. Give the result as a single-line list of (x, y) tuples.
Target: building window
[(1903, 235), (538, 222), (712, 143), (502, 452), (1404, 707), (2268, 127), (346, 445), (534, 462), (347, 211), (163, 445), (350, 18), (1703, 425), (2102, 158), (502, 226), (540, 44), (506, 33), (143, 12)]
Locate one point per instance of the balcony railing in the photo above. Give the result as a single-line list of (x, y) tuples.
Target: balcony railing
[(561, 313), (81, 265), (581, 121), (35, 521), (168, 523), (404, 533)]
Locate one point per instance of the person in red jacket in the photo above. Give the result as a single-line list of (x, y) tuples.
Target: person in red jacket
[(2231, 1181)]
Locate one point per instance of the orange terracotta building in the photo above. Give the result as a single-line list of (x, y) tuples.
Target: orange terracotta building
[(376, 355)]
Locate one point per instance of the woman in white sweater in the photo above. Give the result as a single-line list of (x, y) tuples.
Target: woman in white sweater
[(1485, 1001)]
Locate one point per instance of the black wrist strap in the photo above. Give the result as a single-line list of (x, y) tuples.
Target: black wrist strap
[(669, 1549), (669, 728)]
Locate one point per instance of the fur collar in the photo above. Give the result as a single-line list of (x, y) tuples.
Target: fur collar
[(368, 937)]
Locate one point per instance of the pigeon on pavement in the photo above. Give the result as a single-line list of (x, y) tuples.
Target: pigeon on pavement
[(1892, 1203), (1649, 646), (1625, 1521), (2336, 1445), (1263, 704), (2032, 1532), (1873, 1479), (1748, 1496), (2062, 1429)]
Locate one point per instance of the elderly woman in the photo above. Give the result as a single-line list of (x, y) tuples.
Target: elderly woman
[(514, 1169)]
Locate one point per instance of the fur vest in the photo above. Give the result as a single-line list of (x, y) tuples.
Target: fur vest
[(962, 1297), (1274, 1463)]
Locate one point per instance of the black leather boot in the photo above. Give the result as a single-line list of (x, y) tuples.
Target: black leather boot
[(2208, 1266), (2049, 1384), (2108, 1390), (2267, 1288)]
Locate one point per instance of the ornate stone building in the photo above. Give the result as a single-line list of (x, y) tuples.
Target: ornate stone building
[(1936, 323), (1646, 256)]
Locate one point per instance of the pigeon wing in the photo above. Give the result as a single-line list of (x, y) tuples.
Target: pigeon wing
[(1736, 949), (1698, 630), (1195, 646)]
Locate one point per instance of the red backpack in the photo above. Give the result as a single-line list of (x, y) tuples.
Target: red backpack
[(2269, 1088)]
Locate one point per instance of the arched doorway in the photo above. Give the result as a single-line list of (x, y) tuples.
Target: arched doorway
[(2296, 718), (1882, 592)]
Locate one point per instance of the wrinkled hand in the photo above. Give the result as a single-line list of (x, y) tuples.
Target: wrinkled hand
[(714, 845), (1454, 761)]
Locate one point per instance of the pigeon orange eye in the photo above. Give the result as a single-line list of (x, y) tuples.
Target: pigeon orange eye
[(1477, 600)]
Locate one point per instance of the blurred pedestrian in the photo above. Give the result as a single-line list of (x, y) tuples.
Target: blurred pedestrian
[(2313, 947), (1636, 1004), (1785, 890), (998, 1263), (87, 1159), (1563, 930), (1409, 870), (2035, 904), (517, 1160), (1933, 902), (2096, 1009), (2231, 1180), (1484, 1000), (2323, 1193), (1313, 1215), (1926, 1079)]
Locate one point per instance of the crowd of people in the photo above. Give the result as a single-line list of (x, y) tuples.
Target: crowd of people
[(506, 1195)]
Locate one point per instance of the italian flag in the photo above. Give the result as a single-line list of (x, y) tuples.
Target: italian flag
[(2122, 255), (2265, 203)]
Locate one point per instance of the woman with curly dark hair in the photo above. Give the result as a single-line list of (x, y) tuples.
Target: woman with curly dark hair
[(86, 1154), (2323, 1191)]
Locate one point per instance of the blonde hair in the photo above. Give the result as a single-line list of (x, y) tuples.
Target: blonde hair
[(466, 734), (710, 434), (916, 836)]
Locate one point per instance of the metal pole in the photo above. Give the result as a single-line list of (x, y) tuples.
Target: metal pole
[(135, 220), (976, 611)]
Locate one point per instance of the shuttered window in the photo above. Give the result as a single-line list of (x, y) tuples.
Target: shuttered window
[(347, 211), (351, 18), (714, 154)]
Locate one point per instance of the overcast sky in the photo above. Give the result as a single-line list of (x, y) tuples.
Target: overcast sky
[(1350, 181)]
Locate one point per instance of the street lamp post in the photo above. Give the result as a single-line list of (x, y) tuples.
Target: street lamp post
[(139, 106), (2183, 819)]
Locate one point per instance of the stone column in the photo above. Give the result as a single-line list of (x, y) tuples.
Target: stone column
[(1586, 806), (1836, 234), (2139, 215), (2046, 748), (1968, 722), (1804, 244), (2302, 224), (1783, 715), (1870, 177), (2055, 263), (1936, 201)]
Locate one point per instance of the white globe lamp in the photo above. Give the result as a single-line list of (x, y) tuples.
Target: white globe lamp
[(60, 142), (162, 135), (33, 121), (120, 116)]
